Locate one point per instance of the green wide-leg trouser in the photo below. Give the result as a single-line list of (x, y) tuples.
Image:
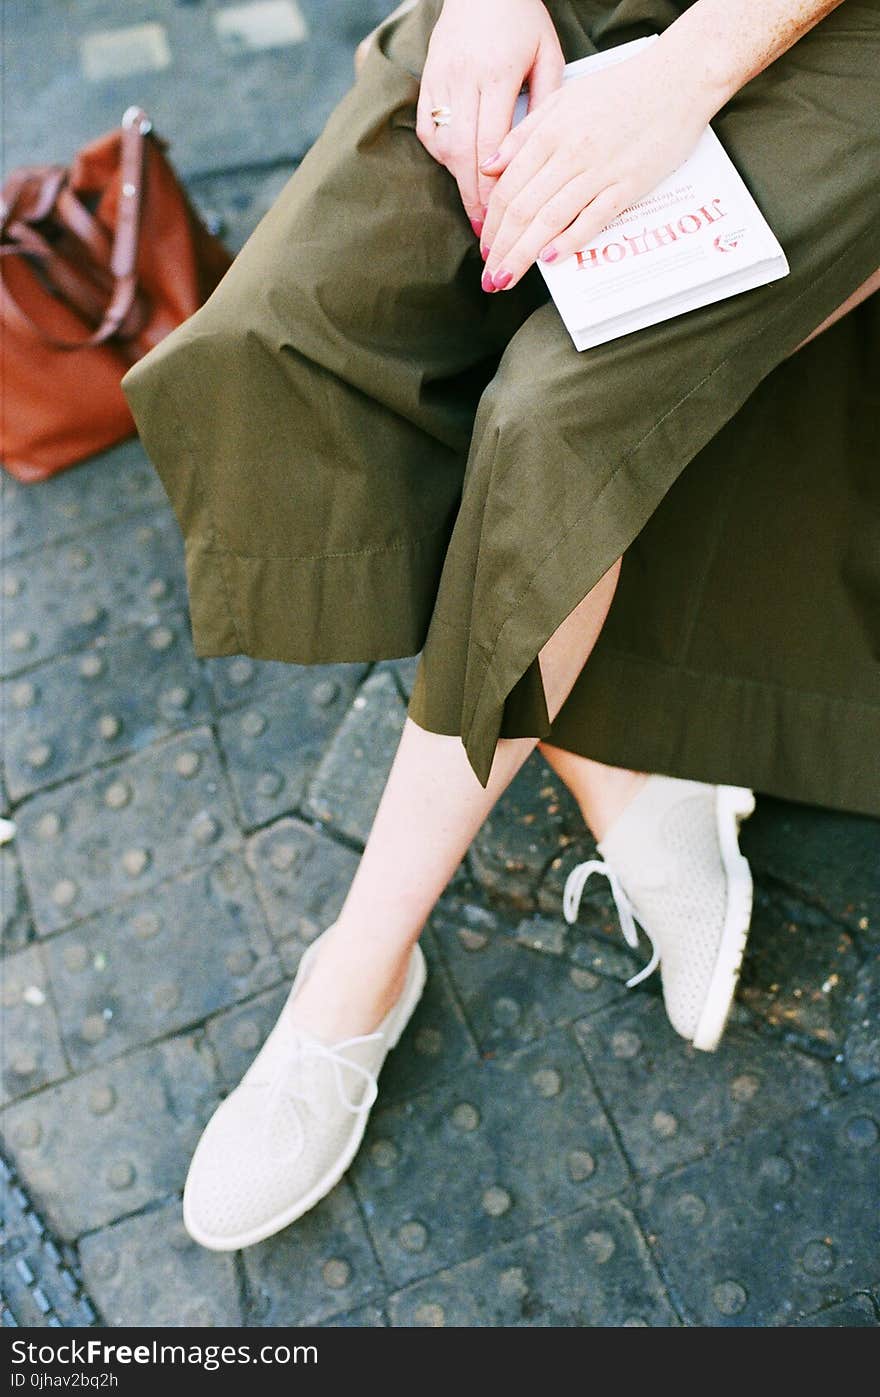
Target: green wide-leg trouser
[(369, 457)]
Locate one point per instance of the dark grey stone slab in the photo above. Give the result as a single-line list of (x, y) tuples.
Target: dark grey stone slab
[(823, 856), (102, 488), (778, 1226), (273, 746), (32, 1054), (509, 1144), (855, 1313), (799, 969), (83, 710), (125, 573), (321, 1266), (591, 1270), (146, 1271), (109, 1142), (535, 820), (861, 1052), (437, 1043), (367, 1317), (404, 671), (510, 993), (275, 100), (671, 1103), (15, 916), (302, 877), (160, 962), (41, 1281), (347, 786), (237, 680), (117, 832)]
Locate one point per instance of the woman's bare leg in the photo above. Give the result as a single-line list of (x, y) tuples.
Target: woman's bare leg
[(602, 792), (430, 810)]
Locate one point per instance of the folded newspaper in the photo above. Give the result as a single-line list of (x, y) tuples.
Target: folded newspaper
[(698, 237)]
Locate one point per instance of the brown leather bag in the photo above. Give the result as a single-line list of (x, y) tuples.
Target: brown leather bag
[(97, 264)]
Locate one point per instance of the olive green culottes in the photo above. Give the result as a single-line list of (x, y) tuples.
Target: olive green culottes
[(369, 457)]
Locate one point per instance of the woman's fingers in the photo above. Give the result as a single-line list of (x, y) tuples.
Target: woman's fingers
[(520, 240), (454, 143), (520, 164), (546, 75), (497, 101), (587, 226)]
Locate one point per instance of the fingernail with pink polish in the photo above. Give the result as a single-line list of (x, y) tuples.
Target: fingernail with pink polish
[(486, 281), (484, 251), (502, 279), (549, 254), (477, 225)]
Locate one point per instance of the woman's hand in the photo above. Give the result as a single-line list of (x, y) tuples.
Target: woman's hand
[(480, 54), (587, 152)]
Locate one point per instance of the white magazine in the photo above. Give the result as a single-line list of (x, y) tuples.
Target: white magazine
[(698, 237)]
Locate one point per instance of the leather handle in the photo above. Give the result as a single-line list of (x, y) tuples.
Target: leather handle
[(124, 254)]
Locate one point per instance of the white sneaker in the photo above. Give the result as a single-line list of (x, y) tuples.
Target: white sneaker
[(288, 1132), (672, 859)]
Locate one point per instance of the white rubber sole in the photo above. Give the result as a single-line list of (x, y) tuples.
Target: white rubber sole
[(733, 804), (400, 1017)]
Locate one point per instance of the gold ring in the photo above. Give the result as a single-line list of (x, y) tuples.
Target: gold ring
[(441, 116)]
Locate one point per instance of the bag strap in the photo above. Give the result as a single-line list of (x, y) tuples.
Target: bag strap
[(123, 255)]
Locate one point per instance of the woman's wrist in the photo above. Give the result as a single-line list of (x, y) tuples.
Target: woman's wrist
[(702, 75)]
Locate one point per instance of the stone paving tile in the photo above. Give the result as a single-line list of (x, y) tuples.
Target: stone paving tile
[(533, 822), (302, 877), (671, 1103), (855, 1313), (322, 1266), (778, 1226), (95, 491), (799, 969), (116, 832), (124, 573), (589, 1270), (437, 1043), (826, 857), (346, 788), (505, 1146), (146, 1271), (513, 995), (403, 670), (237, 1034), (82, 710), (367, 1317), (273, 746), (32, 1054), (861, 1051), (160, 962), (108, 1142), (305, 80), (15, 917)]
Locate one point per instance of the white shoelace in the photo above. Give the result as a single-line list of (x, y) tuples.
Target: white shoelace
[(571, 901), (281, 1082)]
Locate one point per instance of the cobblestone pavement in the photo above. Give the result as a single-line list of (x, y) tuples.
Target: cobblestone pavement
[(545, 1149)]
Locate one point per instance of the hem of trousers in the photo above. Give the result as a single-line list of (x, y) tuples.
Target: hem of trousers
[(736, 730)]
